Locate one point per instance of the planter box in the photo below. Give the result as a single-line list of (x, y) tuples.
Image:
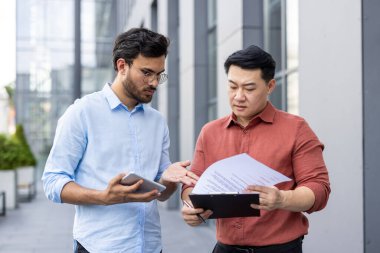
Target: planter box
[(8, 184), (26, 183)]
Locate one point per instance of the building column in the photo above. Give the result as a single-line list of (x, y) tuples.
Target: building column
[(371, 123)]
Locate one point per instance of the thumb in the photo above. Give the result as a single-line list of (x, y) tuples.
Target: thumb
[(185, 163), (117, 179)]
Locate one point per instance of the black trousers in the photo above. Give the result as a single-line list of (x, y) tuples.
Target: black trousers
[(294, 246), (81, 249)]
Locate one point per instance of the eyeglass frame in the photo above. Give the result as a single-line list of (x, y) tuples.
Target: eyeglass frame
[(150, 76)]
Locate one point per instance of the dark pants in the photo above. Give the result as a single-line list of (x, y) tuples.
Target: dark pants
[(289, 247), (81, 249)]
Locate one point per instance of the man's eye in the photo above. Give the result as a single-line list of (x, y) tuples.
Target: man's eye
[(146, 73), (233, 87)]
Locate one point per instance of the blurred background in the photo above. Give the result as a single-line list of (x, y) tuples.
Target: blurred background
[(328, 62)]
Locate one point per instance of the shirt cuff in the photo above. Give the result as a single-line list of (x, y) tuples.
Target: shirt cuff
[(54, 189)]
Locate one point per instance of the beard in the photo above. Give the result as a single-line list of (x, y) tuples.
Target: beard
[(131, 90)]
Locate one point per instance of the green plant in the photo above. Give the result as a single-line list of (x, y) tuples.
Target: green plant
[(25, 156), (10, 91), (15, 151), (9, 153)]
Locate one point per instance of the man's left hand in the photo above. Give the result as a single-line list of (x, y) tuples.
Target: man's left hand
[(177, 173), (271, 197)]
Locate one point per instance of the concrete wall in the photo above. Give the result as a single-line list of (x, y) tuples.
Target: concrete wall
[(330, 92), (186, 72)]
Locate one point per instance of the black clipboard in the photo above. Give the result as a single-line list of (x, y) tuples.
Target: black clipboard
[(227, 205)]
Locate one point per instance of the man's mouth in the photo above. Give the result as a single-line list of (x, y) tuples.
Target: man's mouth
[(240, 107), (150, 91)]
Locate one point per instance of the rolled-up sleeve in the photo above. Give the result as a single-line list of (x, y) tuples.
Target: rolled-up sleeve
[(309, 166), (69, 145)]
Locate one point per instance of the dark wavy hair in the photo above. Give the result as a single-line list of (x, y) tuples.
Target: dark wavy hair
[(130, 44), (253, 57)]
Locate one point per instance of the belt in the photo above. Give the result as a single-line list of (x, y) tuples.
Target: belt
[(260, 249)]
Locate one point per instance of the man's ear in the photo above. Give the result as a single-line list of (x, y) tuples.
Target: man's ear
[(271, 86), (122, 66)]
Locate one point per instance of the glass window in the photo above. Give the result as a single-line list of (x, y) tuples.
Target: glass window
[(281, 41), (154, 23), (44, 75), (97, 33), (44, 81), (211, 62)]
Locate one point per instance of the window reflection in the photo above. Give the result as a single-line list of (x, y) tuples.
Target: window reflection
[(212, 53), (281, 41), (45, 66)]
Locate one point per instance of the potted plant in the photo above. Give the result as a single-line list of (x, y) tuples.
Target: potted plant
[(9, 151), (26, 174)]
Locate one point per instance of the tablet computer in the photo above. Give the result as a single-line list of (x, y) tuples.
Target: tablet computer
[(147, 185)]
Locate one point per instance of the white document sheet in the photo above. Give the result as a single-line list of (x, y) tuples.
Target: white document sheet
[(234, 174)]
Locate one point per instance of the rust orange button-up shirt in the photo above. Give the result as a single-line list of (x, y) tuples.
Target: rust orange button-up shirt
[(285, 143)]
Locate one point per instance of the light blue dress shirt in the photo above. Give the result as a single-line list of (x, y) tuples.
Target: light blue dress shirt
[(96, 139)]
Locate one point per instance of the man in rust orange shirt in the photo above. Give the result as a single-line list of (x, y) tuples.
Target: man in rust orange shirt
[(280, 140)]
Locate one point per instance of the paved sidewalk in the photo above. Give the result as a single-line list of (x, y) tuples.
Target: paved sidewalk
[(178, 237), (41, 226), (37, 226)]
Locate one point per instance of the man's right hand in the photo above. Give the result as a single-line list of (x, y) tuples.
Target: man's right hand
[(117, 193), (189, 215)]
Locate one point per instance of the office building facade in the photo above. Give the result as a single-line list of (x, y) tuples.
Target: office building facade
[(64, 51), (326, 73)]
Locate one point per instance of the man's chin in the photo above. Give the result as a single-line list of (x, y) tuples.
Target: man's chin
[(239, 113), (146, 99)]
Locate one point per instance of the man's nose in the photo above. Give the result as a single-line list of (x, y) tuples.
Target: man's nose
[(239, 94), (154, 82)]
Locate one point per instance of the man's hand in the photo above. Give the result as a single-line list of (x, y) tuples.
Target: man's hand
[(117, 193), (177, 173), (300, 199), (190, 215), (271, 198)]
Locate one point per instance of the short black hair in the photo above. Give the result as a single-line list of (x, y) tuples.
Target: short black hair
[(130, 44), (253, 57)]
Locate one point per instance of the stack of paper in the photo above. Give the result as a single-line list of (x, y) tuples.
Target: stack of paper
[(234, 174)]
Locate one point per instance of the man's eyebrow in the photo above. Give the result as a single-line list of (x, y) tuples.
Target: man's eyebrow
[(244, 84), (152, 71)]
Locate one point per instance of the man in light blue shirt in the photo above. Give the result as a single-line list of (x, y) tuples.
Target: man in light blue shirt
[(107, 133)]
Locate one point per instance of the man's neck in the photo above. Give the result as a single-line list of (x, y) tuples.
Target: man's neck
[(118, 89)]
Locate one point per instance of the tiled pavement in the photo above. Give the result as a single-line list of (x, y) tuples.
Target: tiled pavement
[(41, 226)]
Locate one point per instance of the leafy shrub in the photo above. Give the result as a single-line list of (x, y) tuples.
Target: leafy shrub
[(15, 151), (9, 153), (26, 157)]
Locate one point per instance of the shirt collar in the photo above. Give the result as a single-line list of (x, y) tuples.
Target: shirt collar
[(267, 115), (114, 101)]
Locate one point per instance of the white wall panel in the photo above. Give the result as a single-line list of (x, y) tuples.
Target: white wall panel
[(330, 92), (186, 38)]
